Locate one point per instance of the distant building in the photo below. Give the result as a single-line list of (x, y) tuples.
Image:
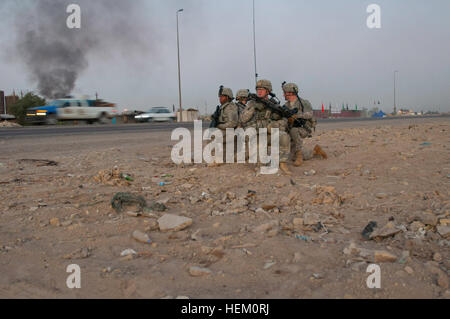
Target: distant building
[(11, 100), (2, 103), (342, 114)]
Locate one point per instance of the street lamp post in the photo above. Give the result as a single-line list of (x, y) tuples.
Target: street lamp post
[(179, 69), (395, 92), (254, 41)]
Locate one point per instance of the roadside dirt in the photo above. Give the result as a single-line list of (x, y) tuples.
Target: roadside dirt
[(259, 236)]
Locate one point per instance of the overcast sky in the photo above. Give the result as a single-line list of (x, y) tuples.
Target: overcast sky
[(323, 45)]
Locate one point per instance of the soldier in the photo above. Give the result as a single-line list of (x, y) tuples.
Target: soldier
[(256, 115), (298, 134), (242, 97), (228, 116)]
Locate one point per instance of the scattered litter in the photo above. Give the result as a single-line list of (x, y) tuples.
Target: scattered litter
[(127, 252), (141, 237), (426, 144), (126, 199), (113, 177), (167, 175), (367, 231), (305, 238), (127, 177), (310, 172), (269, 264), (164, 183)]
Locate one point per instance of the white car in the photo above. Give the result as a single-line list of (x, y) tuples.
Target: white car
[(157, 114), (85, 110)]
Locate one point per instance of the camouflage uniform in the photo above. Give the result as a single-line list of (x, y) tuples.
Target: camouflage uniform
[(256, 115), (298, 134), (228, 117), (241, 94)]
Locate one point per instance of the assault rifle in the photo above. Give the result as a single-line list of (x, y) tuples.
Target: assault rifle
[(283, 111), (216, 114)]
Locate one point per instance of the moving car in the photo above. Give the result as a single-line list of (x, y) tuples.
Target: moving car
[(71, 109), (157, 114)]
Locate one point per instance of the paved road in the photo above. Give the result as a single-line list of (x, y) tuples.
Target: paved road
[(41, 131)]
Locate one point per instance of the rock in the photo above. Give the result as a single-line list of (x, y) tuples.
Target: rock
[(381, 195), (128, 252), (272, 232), (352, 249), (81, 253), (310, 172), (444, 231), (199, 271), (427, 218), (384, 256), (416, 225), (310, 219), (437, 257), (409, 270), (169, 222), (359, 266), (266, 227), (66, 223), (151, 225), (269, 264), (260, 211), (54, 222), (445, 222), (387, 231)]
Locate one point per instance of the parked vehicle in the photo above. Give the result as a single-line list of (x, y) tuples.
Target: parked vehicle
[(72, 109), (157, 114)]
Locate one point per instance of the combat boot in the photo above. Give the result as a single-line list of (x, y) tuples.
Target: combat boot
[(298, 159), (285, 169), (319, 151)]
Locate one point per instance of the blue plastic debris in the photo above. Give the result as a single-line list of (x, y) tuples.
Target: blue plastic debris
[(303, 237)]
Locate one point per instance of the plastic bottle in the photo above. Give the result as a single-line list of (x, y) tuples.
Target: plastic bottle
[(141, 237)]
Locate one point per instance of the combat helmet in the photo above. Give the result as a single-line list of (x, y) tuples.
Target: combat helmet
[(242, 94), (227, 92), (290, 88), (264, 84)]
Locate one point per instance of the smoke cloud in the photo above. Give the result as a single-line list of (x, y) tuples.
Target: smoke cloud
[(55, 55)]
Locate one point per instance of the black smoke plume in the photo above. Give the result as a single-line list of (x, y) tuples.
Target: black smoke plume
[(56, 55)]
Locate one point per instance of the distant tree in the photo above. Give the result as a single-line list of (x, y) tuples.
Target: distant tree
[(19, 109)]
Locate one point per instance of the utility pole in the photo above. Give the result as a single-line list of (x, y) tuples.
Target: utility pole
[(254, 41), (395, 92), (179, 67)]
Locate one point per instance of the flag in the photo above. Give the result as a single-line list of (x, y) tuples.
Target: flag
[(323, 110)]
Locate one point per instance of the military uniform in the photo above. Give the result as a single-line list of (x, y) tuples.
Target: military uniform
[(256, 115), (241, 94), (228, 117), (298, 134)]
